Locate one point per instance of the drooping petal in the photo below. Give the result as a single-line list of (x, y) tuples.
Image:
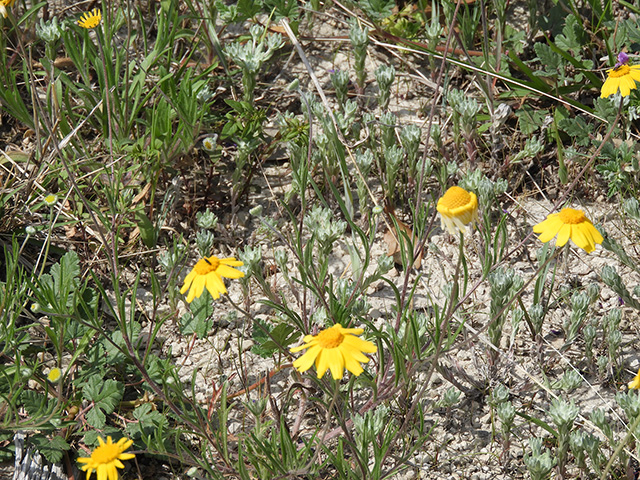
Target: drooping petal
[(305, 362), (228, 272)]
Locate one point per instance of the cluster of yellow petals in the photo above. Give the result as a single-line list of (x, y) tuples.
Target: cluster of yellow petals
[(334, 348), (567, 224), (457, 208), (208, 272), (106, 458)]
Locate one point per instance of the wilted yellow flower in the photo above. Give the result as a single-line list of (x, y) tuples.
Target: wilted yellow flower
[(457, 208), (90, 19), (208, 272), (334, 348), (3, 6), (621, 77), (106, 457), (635, 383), (569, 224)]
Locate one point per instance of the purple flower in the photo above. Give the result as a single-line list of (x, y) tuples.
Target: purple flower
[(623, 58)]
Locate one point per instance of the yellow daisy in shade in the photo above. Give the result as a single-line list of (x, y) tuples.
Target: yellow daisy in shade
[(90, 19), (457, 208), (635, 383), (569, 224), (106, 457), (208, 272), (334, 348), (3, 6), (621, 77)]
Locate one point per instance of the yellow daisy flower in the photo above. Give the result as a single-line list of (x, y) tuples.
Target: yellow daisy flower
[(457, 208), (334, 348), (621, 77), (635, 383), (569, 224), (208, 272), (50, 199), (106, 457), (90, 19)]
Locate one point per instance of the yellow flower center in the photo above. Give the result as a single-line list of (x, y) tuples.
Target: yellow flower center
[(455, 197), (331, 337), (620, 71), (571, 216), (105, 453), (207, 265)]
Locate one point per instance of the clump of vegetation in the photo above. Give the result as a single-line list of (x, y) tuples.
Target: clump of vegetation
[(353, 245)]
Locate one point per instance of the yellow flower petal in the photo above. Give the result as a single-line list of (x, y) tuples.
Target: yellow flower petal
[(334, 349), (208, 272)]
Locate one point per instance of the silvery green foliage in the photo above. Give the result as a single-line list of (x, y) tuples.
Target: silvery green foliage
[(252, 259), (320, 223), (589, 333), (600, 420), (531, 149), (48, 31), (631, 206), (572, 324), (504, 284), (410, 138), (433, 31), (204, 242), (436, 135), (364, 160), (465, 110), (577, 443), (629, 401), (499, 394), (569, 381), (593, 290), (603, 363), (612, 319), (614, 339), (506, 413), (385, 264), (170, 257), (282, 259), (340, 81), (388, 122), (385, 75), (345, 291), (205, 94), (614, 281), (563, 413), (206, 219), (359, 40), (539, 462), (368, 426), (393, 161), (450, 398), (251, 55), (345, 120), (536, 314)]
